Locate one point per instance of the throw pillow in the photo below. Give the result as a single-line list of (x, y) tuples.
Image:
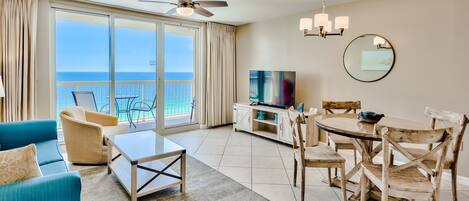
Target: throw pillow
[(18, 164)]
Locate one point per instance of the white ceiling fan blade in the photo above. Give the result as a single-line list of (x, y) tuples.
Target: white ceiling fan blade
[(212, 3), (202, 11)]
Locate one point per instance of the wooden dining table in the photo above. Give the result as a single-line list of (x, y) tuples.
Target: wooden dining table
[(365, 137)]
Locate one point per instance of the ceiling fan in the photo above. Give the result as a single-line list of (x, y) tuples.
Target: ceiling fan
[(188, 7)]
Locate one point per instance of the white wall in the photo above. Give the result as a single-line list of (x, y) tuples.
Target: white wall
[(431, 44)]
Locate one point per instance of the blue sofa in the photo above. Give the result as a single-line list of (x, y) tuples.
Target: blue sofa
[(57, 183)]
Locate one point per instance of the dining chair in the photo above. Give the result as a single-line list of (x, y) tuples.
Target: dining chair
[(406, 180), (458, 123), (320, 156), (341, 142)]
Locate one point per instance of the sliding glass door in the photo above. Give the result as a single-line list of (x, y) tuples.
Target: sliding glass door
[(114, 60), (179, 76), (82, 60), (135, 72)]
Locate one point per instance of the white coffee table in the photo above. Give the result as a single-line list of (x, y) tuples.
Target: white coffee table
[(137, 165)]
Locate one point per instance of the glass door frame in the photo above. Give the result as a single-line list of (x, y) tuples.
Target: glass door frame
[(161, 127), (160, 21)]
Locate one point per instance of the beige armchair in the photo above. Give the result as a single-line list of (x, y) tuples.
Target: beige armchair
[(85, 133)]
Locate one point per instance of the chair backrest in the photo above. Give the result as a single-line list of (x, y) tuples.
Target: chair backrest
[(395, 136), (347, 106), (296, 118), (85, 99), (458, 122), (77, 113)]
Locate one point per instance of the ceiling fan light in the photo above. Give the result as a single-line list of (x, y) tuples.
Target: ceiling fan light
[(306, 24), (185, 11), (321, 19), (341, 22)]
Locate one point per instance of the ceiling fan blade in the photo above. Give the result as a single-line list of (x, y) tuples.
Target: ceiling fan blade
[(171, 11), (202, 11), (212, 3), (153, 1)]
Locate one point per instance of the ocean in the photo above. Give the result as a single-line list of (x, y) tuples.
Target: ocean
[(178, 90), (103, 76)]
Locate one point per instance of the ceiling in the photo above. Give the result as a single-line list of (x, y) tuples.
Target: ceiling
[(238, 12)]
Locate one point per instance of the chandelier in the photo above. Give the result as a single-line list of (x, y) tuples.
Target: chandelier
[(321, 21)]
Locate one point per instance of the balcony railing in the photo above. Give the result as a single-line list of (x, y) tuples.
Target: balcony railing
[(178, 95)]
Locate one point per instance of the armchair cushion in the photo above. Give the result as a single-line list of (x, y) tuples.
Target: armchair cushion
[(101, 119), (53, 168), (48, 152), (115, 130)]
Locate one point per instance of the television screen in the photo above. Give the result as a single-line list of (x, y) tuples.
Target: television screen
[(275, 88)]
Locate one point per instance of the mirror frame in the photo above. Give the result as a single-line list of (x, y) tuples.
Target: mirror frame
[(380, 78)]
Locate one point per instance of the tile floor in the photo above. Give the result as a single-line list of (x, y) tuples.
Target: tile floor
[(265, 166)]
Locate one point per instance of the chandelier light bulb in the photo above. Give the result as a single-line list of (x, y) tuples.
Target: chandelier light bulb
[(306, 24)]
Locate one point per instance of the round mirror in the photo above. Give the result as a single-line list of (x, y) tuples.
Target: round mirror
[(369, 58)]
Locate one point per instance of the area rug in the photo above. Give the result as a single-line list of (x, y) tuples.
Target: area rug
[(203, 183)]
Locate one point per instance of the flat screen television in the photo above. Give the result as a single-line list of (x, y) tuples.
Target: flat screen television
[(272, 88)]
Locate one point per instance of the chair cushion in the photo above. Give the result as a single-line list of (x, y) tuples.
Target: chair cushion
[(115, 130), (432, 158), (320, 154), (410, 179), (18, 164), (53, 168), (48, 152)]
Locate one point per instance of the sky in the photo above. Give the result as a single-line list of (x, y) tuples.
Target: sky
[(82, 47)]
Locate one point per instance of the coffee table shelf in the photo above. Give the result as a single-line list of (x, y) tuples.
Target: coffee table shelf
[(138, 165), (121, 169)]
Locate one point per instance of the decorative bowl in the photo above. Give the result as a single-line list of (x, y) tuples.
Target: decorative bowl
[(369, 117)]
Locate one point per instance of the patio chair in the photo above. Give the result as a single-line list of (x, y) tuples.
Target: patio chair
[(192, 107), (144, 106), (86, 100)]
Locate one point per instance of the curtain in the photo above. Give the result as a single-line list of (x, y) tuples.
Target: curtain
[(17, 58), (220, 75)]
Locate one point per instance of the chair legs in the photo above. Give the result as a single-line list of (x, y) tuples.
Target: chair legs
[(303, 176), (336, 149), (295, 170), (363, 186), (454, 182), (329, 176), (343, 182), (355, 156)]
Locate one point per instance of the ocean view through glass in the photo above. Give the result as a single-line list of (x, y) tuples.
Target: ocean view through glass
[(126, 69)]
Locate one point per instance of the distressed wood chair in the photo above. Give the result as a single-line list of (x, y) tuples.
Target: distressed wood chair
[(320, 156), (458, 123), (406, 180), (336, 141)]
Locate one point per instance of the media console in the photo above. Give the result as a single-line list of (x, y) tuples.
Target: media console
[(245, 118)]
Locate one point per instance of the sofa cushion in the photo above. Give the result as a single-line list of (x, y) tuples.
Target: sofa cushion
[(48, 152), (18, 164), (53, 168)]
